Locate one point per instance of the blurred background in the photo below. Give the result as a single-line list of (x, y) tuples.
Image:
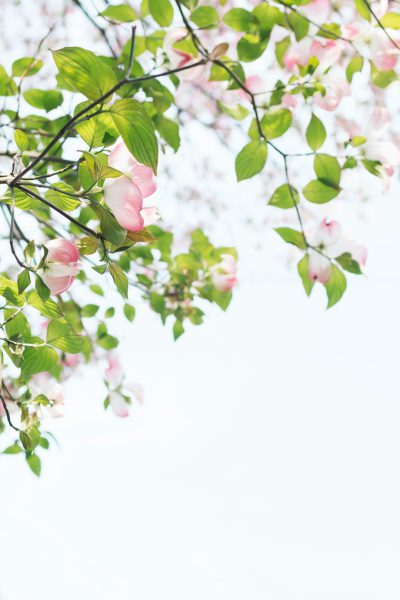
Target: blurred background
[(264, 461)]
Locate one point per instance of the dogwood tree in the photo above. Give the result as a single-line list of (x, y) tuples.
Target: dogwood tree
[(81, 147)]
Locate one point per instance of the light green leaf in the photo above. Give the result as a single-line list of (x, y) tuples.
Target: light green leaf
[(315, 133), (206, 17), (302, 268), (161, 11), (120, 279), (291, 236), (276, 122), (137, 131), (121, 13), (327, 169), (61, 336), (85, 72), (284, 196), (37, 360), (21, 139), (251, 160), (319, 193), (34, 464), (44, 99), (25, 67), (336, 286), (391, 20), (240, 19)]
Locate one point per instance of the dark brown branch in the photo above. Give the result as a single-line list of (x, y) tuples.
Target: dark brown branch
[(7, 412)]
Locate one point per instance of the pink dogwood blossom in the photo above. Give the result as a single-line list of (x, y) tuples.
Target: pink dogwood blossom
[(61, 265), (124, 195), (223, 274), (335, 90), (328, 241)]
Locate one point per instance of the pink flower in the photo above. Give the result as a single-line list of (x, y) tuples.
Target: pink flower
[(143, 177), (61, 265), (384, 53), (297, 54), (254, 84), (376, 147), (328, 241), (318, 10), (114, 373), (289, 101), (223, 275), (327, 52), (335, 90), (124, 195), (120, 404), (43, 384)]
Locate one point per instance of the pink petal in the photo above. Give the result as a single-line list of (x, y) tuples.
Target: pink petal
[(118, 404), (57, 285), (150, 215), (62, 251), (125, 201)]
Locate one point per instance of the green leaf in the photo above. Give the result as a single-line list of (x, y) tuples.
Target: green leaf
[(302, 268), (178, 329), (237, 111), (89, 310), (355, 65), (21, 139), (319, 193), (240, 19), (34, 464), (61, 336), (121, 13), (336, 286), (85, 72), (362, 9), (24, 280), (42, 289), (129, 312), (137, 130), (327, 169), (48, 309), (120, 279), (251, 160), (315, 133), (16, 324), (25, 67), (44, 99), (110, 228), (87, 245), (347, 262), (206, 17), (62, 196), (291, 236), (169, 131), (36, 360), (276, 122), (13, 449), (391, 20), (284, 196), (382, 78), (161, 11)]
